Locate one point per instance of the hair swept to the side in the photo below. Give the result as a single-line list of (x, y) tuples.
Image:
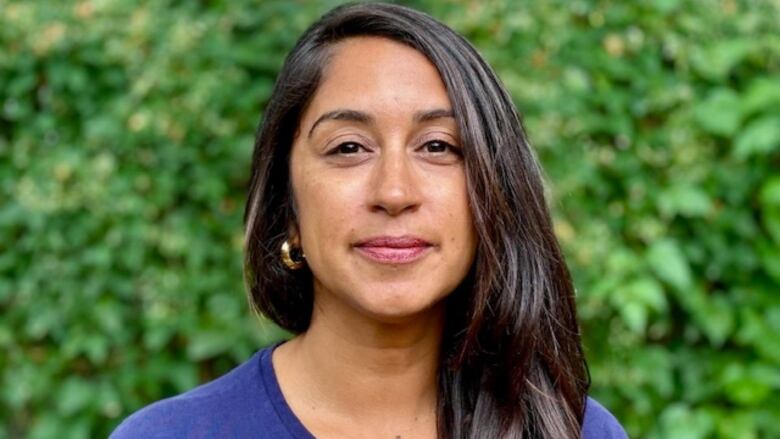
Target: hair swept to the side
[(512, 362)]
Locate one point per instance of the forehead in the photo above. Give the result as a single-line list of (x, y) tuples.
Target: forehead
[(379, 74)]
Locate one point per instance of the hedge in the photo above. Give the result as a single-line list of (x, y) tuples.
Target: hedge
[(126, 130)]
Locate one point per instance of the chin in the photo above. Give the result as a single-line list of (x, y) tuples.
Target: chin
[(389, 301), (396, 307)]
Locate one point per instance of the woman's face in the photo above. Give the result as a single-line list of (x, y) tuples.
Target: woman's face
[(384, 218)]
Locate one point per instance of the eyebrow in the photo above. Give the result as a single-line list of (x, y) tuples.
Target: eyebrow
[(365, 118)]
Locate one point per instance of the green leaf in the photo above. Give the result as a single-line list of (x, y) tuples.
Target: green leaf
[(184, 376), (737, 425), (669, 263), (770, 260), (716, 319), (715, 61), (665, 6), (46, 426), (686, 200), (759, 137), (648, 292), (754, 330), (762, 94), (74, 395), (749, 384), (680, 421), (720, 112), (771, 220), (637, 299), (207, 344), (770, 193), (635, 316)]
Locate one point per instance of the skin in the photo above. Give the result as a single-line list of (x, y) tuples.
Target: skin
[(367, 365)]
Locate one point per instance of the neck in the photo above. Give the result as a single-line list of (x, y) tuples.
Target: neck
[(357, 369)]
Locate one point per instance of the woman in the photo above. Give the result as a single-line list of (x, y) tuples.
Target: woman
[(396, 224)]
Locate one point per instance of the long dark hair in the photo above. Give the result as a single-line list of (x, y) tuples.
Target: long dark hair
[(512, 363)]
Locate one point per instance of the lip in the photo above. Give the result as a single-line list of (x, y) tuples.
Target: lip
[(394, 250), (405, 241)]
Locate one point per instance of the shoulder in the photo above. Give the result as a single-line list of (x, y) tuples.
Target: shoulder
[(214, 409), (600, 423)]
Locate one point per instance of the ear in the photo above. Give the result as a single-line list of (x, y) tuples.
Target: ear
[(293, 231)]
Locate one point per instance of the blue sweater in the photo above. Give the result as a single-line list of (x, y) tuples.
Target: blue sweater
[(247, 402)]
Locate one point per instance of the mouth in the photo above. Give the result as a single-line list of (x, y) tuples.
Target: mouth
[(394, 250)]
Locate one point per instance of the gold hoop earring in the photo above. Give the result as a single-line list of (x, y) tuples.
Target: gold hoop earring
[(287, 256)]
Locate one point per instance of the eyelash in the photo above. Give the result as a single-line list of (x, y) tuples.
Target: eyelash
[(451, 147)]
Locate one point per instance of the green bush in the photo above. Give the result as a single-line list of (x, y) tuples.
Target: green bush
[(126, 130)]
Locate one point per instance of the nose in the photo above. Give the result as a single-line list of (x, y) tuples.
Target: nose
[(394, 187)]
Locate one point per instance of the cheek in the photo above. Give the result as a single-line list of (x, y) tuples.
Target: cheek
[(458, 214), (326, 207)]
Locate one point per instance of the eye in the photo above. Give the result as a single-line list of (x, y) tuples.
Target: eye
[(440, 146), (346, 148)]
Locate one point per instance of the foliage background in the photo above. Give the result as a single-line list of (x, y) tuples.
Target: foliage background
[(126, 130)]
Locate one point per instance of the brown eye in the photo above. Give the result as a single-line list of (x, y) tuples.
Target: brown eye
[(346, 148), (438, 146)]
